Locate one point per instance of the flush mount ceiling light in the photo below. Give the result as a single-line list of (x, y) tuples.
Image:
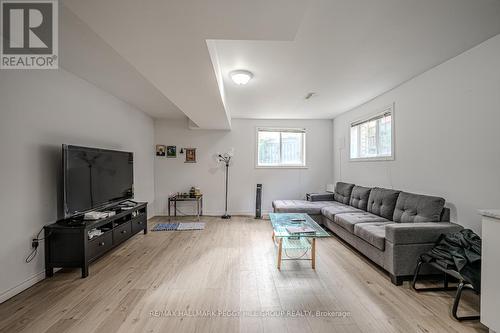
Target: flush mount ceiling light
[(241, 76)]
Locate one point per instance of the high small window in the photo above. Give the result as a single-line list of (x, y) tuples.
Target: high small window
[(281, 147), (373, 138)]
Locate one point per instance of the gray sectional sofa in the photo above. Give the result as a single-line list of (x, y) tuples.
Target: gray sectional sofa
[(390, 227)]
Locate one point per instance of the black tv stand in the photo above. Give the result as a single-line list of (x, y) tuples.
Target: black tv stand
[(67, 242)]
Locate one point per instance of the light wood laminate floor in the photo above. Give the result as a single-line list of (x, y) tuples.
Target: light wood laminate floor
[(229, 266)]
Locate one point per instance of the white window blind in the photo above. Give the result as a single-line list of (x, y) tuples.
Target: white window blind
[(372, 138)]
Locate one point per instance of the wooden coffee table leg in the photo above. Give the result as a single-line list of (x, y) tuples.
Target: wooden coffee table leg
[(313, 253), (280, 249)]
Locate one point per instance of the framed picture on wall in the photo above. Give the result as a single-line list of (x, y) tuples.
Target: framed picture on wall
[(171, 151), (190, 155), (160, 150)]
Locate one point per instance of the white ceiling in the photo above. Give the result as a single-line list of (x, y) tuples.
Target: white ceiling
[(166, 41), (350, 51), (346, 51), (86, 55)]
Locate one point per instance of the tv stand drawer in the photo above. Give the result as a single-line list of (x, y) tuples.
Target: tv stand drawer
[(99, 245), (122, 232), (138, 223)]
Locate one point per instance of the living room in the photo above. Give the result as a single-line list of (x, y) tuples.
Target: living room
[(369, 126)]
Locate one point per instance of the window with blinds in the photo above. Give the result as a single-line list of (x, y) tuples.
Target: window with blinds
[(281, 147), (373, 138)]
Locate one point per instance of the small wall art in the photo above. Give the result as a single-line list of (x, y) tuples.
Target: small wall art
[(190, 155), (171, 151), (160, 150)]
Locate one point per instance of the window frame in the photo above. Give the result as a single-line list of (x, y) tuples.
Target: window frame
[(281, 129), (380, 112)]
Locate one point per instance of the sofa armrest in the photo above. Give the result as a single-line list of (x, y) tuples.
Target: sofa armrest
[(418, 233), (319, 196)]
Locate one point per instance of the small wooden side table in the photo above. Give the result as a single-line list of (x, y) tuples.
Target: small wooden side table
[(174, 198)]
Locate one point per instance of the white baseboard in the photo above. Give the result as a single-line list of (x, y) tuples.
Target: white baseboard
[(22, 286)]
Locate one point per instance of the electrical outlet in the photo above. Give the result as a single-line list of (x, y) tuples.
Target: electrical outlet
[(34, 243)]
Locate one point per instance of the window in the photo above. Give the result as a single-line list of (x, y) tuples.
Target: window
[(373, 138), (281, 147)]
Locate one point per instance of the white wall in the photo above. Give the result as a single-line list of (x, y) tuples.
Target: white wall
[(39, 111), (447, 135), (173, 175)]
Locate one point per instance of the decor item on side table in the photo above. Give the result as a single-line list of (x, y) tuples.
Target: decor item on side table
[(226, 158)]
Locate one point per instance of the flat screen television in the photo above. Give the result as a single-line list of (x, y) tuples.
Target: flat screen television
[(94, 178)]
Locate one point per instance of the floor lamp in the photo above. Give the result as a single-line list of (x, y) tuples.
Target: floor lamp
[(226, 158)]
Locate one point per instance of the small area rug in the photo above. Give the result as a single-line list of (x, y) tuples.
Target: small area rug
[(179, 226), (191, 226)]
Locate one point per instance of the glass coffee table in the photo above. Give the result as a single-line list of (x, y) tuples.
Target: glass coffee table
[(296, 241)]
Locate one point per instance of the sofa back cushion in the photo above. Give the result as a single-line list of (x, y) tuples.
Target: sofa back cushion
[(343, 192), (359, 197), (412, 207), (382, 202)]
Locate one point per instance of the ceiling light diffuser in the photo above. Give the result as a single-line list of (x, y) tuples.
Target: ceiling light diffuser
[(241, 77)]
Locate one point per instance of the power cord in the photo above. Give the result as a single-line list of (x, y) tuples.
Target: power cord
[(35, 242)]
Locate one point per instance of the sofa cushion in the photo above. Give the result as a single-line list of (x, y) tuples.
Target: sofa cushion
[(359, 197), (412, 207), (419, 233), (338, 208), (373, 233), (343, 192), (382, 202), (300, 206), (349, 220)]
